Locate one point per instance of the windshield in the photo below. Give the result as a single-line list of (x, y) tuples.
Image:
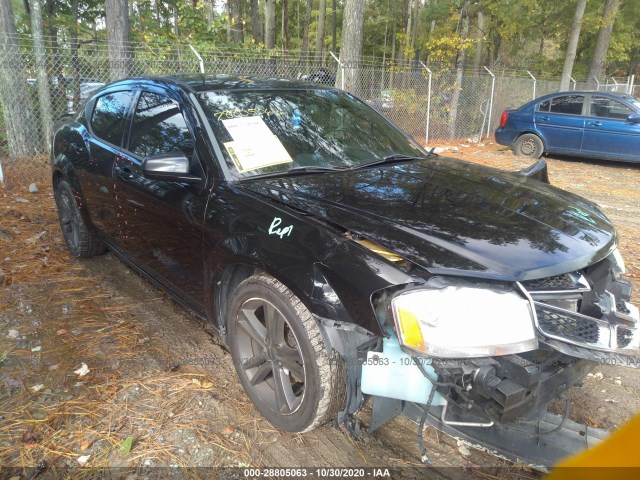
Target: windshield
[(631, 99), (267, 131)]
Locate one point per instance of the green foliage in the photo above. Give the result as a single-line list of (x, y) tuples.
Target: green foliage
[(518, 34)]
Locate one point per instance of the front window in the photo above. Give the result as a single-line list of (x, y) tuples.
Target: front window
[(605, 107), (266, 131), (159, 127)]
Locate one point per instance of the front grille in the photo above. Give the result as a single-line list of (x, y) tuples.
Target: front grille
[(558, 323), (624, 337), (578, 329), (558, 282)]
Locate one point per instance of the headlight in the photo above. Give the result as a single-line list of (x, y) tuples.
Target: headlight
[(464, 320)]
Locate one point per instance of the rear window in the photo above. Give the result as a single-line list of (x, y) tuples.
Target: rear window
[(107, 121), (567, 104)]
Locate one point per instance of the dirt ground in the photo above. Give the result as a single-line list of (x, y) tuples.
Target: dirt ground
[(159, 390)]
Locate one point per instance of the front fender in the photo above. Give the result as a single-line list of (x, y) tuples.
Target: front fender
[(332, 275)]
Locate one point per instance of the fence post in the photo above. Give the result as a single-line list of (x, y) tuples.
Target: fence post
[(571, 79), (615, 83), (493, 87), (426, 133), (631, 81), (534, 84), (597, 83), (199, 58), (341, 69)]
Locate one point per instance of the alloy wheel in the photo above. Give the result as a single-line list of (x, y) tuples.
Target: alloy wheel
[(270, 356), (69, 220)]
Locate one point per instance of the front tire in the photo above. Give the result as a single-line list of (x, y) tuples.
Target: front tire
[(280, 357), (81, 240), (528, 145)]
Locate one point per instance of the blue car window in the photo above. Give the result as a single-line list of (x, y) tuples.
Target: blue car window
[(606, 107), (567, 104), (544, 106)]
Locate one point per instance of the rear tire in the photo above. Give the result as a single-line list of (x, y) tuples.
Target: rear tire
[(528, 145), (280, 357), (81, 240)]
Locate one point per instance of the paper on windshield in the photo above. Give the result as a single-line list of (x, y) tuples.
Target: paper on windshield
[(254, 145)]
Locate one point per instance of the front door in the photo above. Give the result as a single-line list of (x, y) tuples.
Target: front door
[(607, 133), (162, 220)]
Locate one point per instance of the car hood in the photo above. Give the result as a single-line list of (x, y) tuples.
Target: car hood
[(455, 217)]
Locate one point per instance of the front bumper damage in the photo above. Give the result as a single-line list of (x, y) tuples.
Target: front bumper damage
[(499, 404)]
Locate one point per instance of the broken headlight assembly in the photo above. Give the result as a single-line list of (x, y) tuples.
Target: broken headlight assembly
[(450, 319)]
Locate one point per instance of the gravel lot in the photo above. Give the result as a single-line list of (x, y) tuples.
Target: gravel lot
[(158, 378)]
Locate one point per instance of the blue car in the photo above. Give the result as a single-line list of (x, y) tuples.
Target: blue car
[(599, 125)]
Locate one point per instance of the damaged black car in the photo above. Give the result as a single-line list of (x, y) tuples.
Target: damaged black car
[(338, 260)]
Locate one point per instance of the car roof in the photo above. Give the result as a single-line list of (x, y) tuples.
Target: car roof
[(586, 92), (206, 82)]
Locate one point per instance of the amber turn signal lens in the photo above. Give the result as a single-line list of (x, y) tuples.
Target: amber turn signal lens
[(410, 330)]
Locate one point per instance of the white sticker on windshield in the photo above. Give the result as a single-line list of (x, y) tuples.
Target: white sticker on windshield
[(254, 145)]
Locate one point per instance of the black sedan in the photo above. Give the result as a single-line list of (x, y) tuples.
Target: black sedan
[(339, 261)]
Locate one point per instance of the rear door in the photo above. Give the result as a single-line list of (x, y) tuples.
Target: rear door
[(560, 120), (608, 134), (106, 121)]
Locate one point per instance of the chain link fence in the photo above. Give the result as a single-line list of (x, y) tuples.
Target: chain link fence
[(431, 105)]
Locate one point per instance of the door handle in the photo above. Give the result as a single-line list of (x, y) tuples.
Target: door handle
[(594, 124), (125, 172), (545, 118)]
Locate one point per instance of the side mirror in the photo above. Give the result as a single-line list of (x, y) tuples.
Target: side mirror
[(634, 118), (538, 171), (169, 167)]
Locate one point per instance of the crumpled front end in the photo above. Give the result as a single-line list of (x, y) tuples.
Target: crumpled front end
[(498, 401)]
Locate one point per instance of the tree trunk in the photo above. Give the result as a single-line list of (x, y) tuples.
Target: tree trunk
[(416, 20), (572, 46), (42, 76), (307, 23), (14, 91), (54, 63), (479, 42), (408, 35), (117, 16), (270, 23), (602, 42), (393, 53), (322, 15), (209, 8), (286, 35), (462, 56), (75, 61), (351, 45), (236, 21), (334, 26), (256, 22)]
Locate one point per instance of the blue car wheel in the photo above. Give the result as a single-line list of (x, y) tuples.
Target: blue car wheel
[(528, 145)]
